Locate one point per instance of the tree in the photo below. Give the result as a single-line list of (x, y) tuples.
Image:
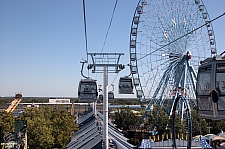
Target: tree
[(181, 125), (39, 129), (126, 102), (48, 127), (124, 117), (157, 120), (6, 124), (64, 125), (215, 126), (199, 125)]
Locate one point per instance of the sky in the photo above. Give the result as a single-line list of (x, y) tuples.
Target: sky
[(42, 42)]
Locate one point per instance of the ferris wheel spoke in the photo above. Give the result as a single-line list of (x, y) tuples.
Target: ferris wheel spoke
[(150, 31), (159, 12), (167, 48)]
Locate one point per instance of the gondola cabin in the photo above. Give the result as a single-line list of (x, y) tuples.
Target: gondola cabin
[(125, 85), (87, 90), (210, 91), (100, 98), (110, 96)]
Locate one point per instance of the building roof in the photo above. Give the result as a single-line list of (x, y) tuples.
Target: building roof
[(90, 134)]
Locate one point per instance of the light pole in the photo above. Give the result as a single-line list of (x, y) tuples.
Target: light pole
[(165, 132), (209, 127)]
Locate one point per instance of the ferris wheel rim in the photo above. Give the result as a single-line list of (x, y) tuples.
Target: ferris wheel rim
[(133, 38)]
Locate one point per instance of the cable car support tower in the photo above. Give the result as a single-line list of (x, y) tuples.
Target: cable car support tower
[(106, 63)]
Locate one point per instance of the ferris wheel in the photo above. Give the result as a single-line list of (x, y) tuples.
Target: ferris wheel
[(166, 48)]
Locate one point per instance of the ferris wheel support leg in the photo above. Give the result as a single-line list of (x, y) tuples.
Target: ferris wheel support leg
[(193, 76), (105, 108), (183, 85), (189, 123)]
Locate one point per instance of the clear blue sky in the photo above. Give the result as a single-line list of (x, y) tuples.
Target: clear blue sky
[(42, 42)]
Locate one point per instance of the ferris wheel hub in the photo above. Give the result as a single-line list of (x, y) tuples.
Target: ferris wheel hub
[(189, 55)]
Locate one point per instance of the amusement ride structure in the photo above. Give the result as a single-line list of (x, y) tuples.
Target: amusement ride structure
[(168, 39), (14, 103)]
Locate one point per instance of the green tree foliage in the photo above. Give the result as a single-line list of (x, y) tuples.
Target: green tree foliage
[(126, 102), (160, 120), (6, 124), (215, 126), (199, 125), (5, 100), (48, 127), (157, 119), (219, 126), (181, 126), (124, 117)]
